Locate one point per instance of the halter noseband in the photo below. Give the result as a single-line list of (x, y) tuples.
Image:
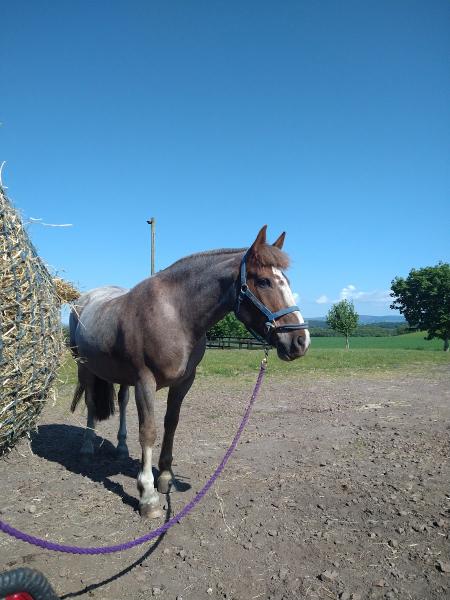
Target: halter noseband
[(271, 327)]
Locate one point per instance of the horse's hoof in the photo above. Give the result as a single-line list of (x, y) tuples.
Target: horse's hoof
[(165, 483), (148, 511)]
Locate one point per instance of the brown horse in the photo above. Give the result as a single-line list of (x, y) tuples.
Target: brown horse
[(153, 336)]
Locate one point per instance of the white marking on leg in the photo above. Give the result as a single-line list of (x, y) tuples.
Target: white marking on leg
[(146, 482)]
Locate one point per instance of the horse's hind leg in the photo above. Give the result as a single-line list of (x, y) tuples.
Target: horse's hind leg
[(122, 448), (174, 400), (87, 447), (145, 390)]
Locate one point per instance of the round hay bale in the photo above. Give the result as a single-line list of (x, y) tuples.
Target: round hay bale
[(31, 339), (65, 290)]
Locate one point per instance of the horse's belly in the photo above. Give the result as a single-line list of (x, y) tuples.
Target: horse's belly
[(100, 361), (109, 369)]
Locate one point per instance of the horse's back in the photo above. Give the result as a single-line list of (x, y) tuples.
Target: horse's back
[(90, 312), (120, 334)]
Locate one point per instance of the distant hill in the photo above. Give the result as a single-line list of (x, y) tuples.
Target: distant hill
[(365, 319), (369, 325), (369, 319)]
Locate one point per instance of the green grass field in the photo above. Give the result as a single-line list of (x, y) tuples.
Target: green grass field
[(409, 341), (410, 352), (367, 355)]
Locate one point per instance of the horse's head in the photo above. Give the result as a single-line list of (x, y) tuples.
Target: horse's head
[(265, 302)]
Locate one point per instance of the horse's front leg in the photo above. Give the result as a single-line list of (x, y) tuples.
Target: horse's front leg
[(145, 390), (174, 400), (122, 448)]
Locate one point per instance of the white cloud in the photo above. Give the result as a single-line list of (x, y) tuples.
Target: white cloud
[(350, 292), (296, 296)]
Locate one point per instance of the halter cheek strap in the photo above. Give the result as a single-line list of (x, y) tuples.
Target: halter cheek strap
[(271, 327)]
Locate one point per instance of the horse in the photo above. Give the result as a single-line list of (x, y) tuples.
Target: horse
[(154, 336)]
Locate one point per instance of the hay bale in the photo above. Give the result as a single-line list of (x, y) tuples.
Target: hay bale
[(31, 339), (65, 291)]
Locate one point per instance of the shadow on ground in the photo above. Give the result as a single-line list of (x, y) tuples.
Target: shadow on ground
[(61, 443)]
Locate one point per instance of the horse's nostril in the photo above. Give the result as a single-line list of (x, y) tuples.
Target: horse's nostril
[(301, 340)]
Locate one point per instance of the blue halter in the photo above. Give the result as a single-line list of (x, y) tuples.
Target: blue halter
[(270, 325)]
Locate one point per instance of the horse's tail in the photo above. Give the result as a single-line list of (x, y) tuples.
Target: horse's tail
[(104, 397), (79, 391)]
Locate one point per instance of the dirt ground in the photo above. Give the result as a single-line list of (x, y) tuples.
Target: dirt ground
[(339, 488)]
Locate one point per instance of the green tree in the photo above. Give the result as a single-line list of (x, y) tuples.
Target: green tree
[(229, 326), (343, 318), (424, 300)]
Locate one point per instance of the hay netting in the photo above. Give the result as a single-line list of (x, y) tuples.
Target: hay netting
[(30, 329)]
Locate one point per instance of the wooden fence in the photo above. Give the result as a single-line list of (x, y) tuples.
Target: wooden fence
[(224, 343)]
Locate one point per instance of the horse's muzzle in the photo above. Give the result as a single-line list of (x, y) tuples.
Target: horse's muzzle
[(292, 345)]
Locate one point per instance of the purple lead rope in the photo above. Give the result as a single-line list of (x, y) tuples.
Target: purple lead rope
[(25, 537)]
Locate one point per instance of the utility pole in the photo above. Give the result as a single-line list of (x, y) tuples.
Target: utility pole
[(152, 223)]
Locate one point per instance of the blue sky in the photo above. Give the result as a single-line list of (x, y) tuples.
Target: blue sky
[(330, 120)]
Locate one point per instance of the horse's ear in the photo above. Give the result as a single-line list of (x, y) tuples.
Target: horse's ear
[(280, 241), (253, 254), (260, 238)]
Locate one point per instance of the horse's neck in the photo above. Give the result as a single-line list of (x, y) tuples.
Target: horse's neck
[(206, 290)]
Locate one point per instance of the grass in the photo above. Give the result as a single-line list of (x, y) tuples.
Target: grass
[(320, 361), (409, 341), (67, 374), (327, 356)]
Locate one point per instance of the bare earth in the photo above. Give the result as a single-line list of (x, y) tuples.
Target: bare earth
[(339, 488)]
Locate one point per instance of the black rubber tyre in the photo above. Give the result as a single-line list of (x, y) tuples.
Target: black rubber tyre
[(26, 580)]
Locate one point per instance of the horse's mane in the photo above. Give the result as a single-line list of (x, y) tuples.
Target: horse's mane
[(266, 255), (198, 256)]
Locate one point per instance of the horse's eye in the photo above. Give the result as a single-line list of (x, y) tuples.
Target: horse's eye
[(263, 283)]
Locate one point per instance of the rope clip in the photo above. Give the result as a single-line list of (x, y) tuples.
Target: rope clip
[(266, 357)]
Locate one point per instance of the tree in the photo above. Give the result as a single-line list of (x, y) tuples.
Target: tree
[(343, 318), (229, 326), (424, 300)]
